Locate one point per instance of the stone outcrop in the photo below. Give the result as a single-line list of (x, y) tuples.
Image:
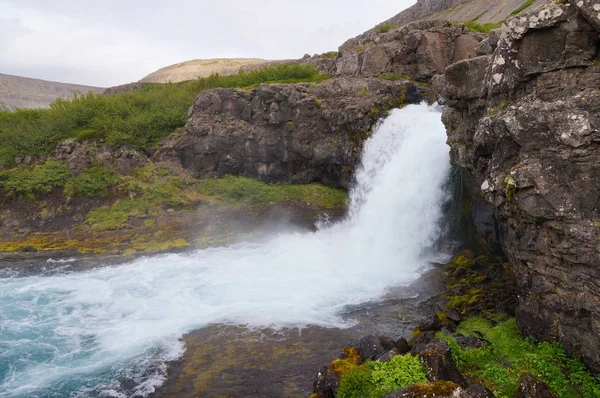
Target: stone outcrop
[(524, 120), (286, 132), (420, 50)]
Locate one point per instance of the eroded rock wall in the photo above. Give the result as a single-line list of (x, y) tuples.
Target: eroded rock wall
[(525, 121), (286, 132)]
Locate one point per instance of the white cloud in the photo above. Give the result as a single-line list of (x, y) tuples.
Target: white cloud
[(114, 42)]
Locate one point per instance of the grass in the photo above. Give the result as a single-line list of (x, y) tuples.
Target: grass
[(478, 27), (377, 379), (139, 118), (385, 27), (500, 364), (243, 190), (330, 55), (152, 189), (527, 4)]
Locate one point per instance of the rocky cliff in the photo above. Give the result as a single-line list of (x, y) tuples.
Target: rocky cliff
[(23, 93), (304, 132), (524, 119)]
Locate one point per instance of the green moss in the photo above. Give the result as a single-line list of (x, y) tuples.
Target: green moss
[(525, 5), (497, 109), (377, 379), (432, 390), (363, 92), (385, 27), (500, 364), (482, 28), (248, 191), (361, 49)]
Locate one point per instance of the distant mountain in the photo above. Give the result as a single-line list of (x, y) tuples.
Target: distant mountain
[(24, 93), (194, 69)]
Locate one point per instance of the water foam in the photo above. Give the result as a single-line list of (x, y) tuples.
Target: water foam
[(107, 332)]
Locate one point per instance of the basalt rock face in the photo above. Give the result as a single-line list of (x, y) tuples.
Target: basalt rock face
[(286, 132), (525, 122), (420, 50)]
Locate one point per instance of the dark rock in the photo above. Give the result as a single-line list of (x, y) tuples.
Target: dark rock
[(470, 342), (372, 347), (439, 389), (590, 9), (437, 358), (326, 383), (525, 123), (128, 159), (389, 355), (420, 342), (431, 324), (402, 346), (453, 315), (285, 132), (530, 387), (29, 249), (477, 391)]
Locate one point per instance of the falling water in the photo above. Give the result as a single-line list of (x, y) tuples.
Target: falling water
[(109, 331)]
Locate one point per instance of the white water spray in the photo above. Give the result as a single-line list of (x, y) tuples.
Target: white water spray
[(83, 334)]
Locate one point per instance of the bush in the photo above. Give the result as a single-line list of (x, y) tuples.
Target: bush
[(377, 379), (478, 27), (139, 118), (94, 181), (500, 364), (25, 182), (385, 27)]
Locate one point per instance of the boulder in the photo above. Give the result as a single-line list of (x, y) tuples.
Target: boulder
[(530, 387), (477, 391), (373, 347), (437, 358)]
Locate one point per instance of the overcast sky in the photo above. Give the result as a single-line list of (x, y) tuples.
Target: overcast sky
[(111, 42)]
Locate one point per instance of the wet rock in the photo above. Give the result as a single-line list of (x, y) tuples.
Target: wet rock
[(431, 324), (437, 358), (530, 387), (440, 389), (372, 347), (326, 383), (453, 315), (470, 342), (389, 355), (28, 249), (402, 346), (477, 391), (420, 342)]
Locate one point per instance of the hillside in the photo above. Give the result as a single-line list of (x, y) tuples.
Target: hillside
[(480, 11), (191, 70), (24, 93)]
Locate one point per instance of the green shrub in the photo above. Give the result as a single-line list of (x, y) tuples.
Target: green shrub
[(27, 181), (94, 181), (377, 379), (478, 27), (140, 118), (500, 364), (385, 27)]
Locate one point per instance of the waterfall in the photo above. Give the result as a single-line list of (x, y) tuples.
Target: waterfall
[(108, 331)]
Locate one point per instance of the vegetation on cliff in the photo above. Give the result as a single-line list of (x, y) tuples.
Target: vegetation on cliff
[(140, 118), (506, 356)]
